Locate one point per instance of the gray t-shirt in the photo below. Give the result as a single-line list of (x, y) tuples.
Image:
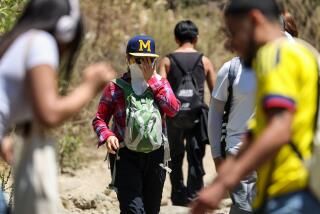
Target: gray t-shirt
[(29, 50), (242, 107)]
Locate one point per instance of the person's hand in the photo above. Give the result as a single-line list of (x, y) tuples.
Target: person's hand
[(98, 75), (112, 144), (147, 68), (209, 198), (6, 150)]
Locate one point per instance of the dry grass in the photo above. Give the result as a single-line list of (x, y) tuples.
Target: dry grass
[(110, 24)]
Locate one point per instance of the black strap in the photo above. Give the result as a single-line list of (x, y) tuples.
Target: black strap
[(232, 74), (174, 59), (296, 150)]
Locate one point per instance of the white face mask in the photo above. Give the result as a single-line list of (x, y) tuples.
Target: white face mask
[(139, 85)]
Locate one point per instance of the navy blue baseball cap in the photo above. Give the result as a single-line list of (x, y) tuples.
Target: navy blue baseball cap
[(142, 46)]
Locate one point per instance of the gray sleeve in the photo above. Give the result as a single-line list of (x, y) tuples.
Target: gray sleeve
[(220, 91), (214, 126)]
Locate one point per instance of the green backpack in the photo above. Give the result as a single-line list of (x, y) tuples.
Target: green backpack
[(143, 132)]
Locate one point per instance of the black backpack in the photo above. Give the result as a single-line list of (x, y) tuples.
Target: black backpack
[(232, 74), (187, 93)]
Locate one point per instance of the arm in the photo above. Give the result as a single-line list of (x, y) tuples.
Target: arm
[(6, 149), (164, 67), (218, 101), (164, 95), (214, 129), (210, 73), (275, 135), (51, 108), (161, 89), (105, 110)]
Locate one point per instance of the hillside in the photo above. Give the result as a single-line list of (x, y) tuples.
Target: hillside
[(109, 25)]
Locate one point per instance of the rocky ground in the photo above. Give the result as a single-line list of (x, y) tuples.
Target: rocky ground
[(84, 190)]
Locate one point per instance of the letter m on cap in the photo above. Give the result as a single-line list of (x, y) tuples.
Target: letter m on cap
[(144, 45)]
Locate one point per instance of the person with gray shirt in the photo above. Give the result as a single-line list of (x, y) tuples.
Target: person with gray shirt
[(233, 94)]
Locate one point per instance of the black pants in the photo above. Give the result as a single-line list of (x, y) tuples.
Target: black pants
[(181, 194), (139, 181)]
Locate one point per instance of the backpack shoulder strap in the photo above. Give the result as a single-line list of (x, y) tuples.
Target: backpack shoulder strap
[(197, 62), (126, 87), (233, 70), (232, 74), (174, 59)]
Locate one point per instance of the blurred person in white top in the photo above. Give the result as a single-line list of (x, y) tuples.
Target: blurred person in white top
[(47, 33), (241, 110)]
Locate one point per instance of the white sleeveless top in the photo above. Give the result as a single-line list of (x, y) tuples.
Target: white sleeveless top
[(29, 50)]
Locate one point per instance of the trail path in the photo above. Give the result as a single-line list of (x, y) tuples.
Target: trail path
[(84, 190)]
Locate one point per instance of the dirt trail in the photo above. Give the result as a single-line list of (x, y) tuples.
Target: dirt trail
[(84, 190)]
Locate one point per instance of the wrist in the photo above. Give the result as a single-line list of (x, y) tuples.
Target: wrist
[(90, 88), (153, 80), (147, 78), (224, 178), (110, 137)]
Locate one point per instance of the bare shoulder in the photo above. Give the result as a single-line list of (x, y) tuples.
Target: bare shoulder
[(164, 66), (165, 61), (206, 60), (207, 63)]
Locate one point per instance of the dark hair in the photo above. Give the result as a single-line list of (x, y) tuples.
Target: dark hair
[(268, 7), (186, 31), (44, 15), (281, 6)]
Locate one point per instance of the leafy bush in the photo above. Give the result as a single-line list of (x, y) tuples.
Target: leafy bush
[(5, 181), (9, 10), (68, 143), (110, 24)]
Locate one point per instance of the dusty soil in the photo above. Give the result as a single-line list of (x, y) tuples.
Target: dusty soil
[(84, 190)]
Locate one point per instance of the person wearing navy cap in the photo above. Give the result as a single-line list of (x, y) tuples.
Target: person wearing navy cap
[(138, 172)]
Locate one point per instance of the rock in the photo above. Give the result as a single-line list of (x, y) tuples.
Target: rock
[(113, 195), (108, 205), (225, 203), (222, 211), (63, 211), (100, 198), (165, 202), (113, 211), (66, 203), (84, 204), (108, 191), (174, 210)]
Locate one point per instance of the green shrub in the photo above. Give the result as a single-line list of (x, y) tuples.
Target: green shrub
[(9, 10), (5, 180), (110, 24), (68, 143)]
